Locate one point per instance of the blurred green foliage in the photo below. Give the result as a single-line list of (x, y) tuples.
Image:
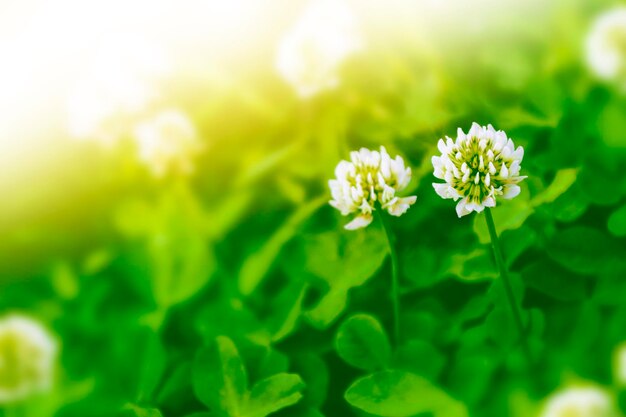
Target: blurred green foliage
[(237, 293)]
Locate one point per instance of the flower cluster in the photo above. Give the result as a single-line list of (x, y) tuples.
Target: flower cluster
[(368, 180), (27, 355), (167, 141), (606, 47), (579, 402), (477, 168), (310, 54)]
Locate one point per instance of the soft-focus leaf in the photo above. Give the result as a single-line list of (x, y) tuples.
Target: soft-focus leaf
[(562, 181), (272, 394), (617, 222), (362, 342), (421, 358), (585, 250), (258, 264), (219, 377), (344, 261), (401, 394), (135, 411)]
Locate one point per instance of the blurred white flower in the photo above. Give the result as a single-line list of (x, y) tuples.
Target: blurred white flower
[(478, 167), (118, 84), (310, 54), (579, 402), (168, 141), (606, 46), (370, 177), (27, 358)]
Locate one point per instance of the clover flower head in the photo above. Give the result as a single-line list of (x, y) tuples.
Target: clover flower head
[(167, 141), (311, 53), (370, 180), (606, 46), (579, 402), (477, 168), (27, 356)]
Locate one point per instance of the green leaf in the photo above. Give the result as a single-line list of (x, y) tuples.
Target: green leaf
[(610, 289), (136, 411), (586, 250), (344, 260), (152, 366), (476, 265), (515, 242), (470, 367), (501, 326), (328, 308), (401, 394), (314, 371), (617, 222), (570, 205), (257, 265), (289, 304), (362, 342), (273, 394), (552, 279), (420, 357), (562, 181), (219, 377), (421, 266), (177, 388)]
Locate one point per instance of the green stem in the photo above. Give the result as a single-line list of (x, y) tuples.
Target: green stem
[(395, 286), (504, 275)]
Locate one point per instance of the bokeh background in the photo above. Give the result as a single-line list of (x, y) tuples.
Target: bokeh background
[(164, 169)]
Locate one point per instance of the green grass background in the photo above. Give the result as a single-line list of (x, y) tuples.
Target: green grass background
[(137, 275)]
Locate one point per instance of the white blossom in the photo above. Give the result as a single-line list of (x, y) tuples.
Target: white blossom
[(27, 358), (606, 46), (310, 54), (370, 180), (477, 168), (167, 141), (586, 401)]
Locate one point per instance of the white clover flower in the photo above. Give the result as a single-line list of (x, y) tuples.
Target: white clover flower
[(27, 357), (310, 54), (579, 402), (369, 178), (478, 167), (606, 46), (168, 141)]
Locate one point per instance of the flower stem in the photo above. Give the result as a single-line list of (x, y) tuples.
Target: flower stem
[(504, 275), (395, 286)]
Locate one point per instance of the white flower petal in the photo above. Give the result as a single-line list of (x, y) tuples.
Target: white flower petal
[(401, 205), (511, 191), (359, 222), (462, 209), (445, 191)]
